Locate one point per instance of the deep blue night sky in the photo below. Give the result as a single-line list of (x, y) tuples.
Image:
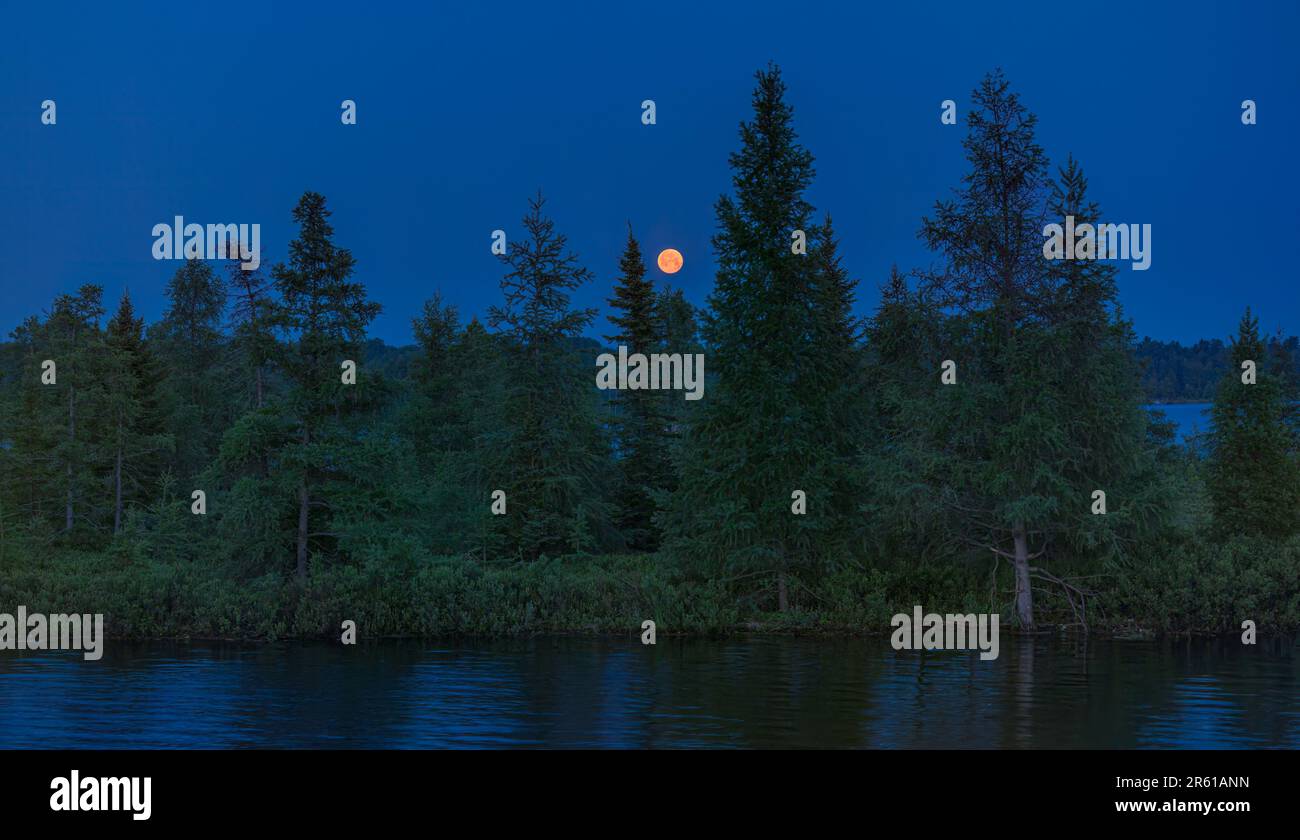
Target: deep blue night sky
[(228, 112)]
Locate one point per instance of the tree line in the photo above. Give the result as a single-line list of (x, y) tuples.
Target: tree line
[(237, 392)]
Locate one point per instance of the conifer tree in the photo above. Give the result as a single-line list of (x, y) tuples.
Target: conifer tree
[(324, 313), (904, 337), (189, 343), (1042, 414), (34, 420), (1253, 469), (1100, 395), (134, 424), (776, 333), (677, 330), (641, 416), (480, 408), (73, 340), (999, 483), (552, 443), (252, 313)]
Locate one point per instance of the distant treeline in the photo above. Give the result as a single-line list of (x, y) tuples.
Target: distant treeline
[(1173, 372)]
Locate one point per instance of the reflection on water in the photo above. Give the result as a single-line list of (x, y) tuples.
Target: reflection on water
[(572, 692)]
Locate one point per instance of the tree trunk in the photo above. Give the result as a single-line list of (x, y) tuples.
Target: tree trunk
[(259, 386), (1024, 594), (782, 594)]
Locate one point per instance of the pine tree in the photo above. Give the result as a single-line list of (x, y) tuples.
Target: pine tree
[(677, 330), (999, 483), (431, 417), (1253, 469), (1043, 414), (135, 435), (776, 334), (325, 314), (73, 341), (33, 422), (191, 347), (252, 315), (557, 458), (454, 421), (904, 338), (834, 388), (641, 417), (480, 400), (1100, 395)]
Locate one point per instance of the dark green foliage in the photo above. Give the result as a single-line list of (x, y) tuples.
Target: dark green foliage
[(372, 501), (554, 461), (252, 319), (641, 418), (1253, 470), (189, 343), (1174, 373), (134, 437), (778, 417), (1045, 409), (324, 314), (73, 340)]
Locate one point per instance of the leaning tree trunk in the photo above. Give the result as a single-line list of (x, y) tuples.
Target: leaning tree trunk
[(1024, 594)]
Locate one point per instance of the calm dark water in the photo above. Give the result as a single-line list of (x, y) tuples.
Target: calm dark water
[(571, 692), (1190, 418)]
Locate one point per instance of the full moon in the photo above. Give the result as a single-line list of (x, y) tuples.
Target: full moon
[(670, 261)]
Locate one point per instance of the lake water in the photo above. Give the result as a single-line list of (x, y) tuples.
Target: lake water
[(1190, 418), (602, 692)]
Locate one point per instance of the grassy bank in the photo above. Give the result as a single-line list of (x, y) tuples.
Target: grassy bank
[(1199, 587)]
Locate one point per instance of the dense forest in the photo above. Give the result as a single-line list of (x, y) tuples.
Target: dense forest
[(253, 466), (1174, 373), (1171, 372)]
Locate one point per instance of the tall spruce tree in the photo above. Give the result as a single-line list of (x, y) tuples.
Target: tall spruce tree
[(641, 417), (678, 331), (1253, 469), (189, 342), (904, 343), (74, 340), (134, 422), (1042, 414), (999, 481), (33, 427), (251, 314), (1100, 402), (557, 457), (324, 313), (778, 341)]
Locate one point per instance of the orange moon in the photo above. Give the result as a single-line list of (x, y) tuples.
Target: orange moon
[(670, 261)]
